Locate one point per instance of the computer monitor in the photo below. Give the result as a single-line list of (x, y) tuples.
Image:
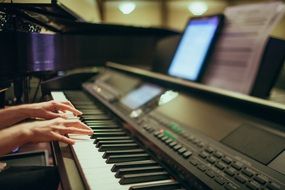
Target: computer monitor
[(195, 46)]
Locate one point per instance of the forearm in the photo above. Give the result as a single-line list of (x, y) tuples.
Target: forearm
[(12, 115), (11, 138)]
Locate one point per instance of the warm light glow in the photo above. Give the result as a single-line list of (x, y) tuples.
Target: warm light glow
[(198, 8), (127, 7)]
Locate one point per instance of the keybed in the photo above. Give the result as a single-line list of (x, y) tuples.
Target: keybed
[(111, 158)]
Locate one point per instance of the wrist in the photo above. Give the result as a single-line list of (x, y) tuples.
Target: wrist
[(24, 111), (25, 134)]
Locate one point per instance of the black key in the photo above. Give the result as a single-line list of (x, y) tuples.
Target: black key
[(218, 154), (103, 127), (220, 180), (158, 186), (111, 138), (227, 160), (122, 152), (127, 146), (211, 160), (210, 173), (187, 154), (230, 171), (127, 171), (112, 134), (241, 179), (135, 164), (106, 130), (98, 122), (231, 186), (114, 142), (237, 165), (220, 165), (145, 177), (97, 117), (248, 172), (260, 179), (127, 158), (273, 186), (253, 185)]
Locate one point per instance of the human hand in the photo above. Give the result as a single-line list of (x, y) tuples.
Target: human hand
[(50, 110), (53, 130)]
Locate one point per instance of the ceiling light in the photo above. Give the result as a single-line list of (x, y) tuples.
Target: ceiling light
[(127, 7), (198, 8)]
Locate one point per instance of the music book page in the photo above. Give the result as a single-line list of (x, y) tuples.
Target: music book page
[(235, 61)]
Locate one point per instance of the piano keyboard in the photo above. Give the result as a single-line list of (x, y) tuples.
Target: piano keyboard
[(111, 159)]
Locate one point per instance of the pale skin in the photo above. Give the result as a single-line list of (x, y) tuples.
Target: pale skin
[(53, 128)]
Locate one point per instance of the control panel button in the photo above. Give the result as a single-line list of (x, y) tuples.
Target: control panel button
[(241, 178), (202, 167), (260, 179), (209, 149), (248, 172), (220, 180), (253, 185), (273, 186), (227, 160), (211, 160), (220, 165), (231, 186), (237, 165), (187, 154), (210, 173), (230, 171), (203, 154), (218, 154)]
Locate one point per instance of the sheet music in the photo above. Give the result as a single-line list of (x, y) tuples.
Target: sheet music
[(235, 62)]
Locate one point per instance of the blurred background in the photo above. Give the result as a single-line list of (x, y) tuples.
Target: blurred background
[(171, 14)]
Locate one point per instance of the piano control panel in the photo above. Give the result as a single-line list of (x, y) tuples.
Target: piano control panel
[(165, 131)]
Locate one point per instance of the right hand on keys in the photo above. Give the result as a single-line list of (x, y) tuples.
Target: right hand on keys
[(54, 129)]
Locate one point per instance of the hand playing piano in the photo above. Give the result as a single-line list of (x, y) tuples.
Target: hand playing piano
[(41, 131), (54, 130), (45, 110), (50, 110)]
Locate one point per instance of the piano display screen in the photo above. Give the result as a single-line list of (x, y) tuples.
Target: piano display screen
[(140, 96)]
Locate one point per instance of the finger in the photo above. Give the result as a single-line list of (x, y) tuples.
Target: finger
[(63, 107), (75, 123), (62, 138), (68, 103), (73, 130), (52, 115)]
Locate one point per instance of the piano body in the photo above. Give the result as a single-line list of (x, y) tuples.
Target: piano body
[(150, 131), (155, 132)]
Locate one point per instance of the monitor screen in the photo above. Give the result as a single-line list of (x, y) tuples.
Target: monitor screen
[(194, 47), (140, 96)]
